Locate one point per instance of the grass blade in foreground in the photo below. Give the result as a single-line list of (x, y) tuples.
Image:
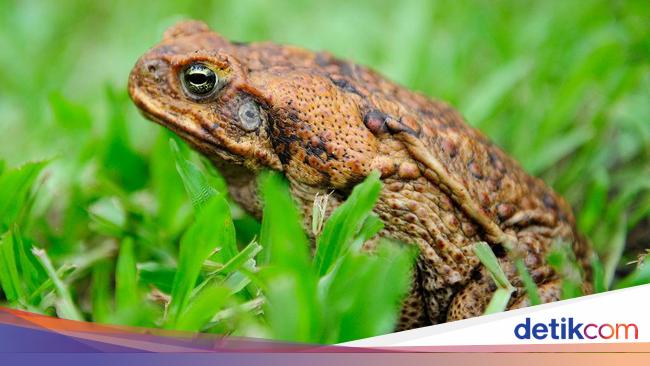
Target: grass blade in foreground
[(15, 185), (9, 279), (211, 235), (126, 287), (334, 297), (200, 191), (345, 222), (196, 183), (640, 276), (501, 296), (284, 241), (209, 301), (563, 261), (292, 311), (362, 294), (101, 291), (213, 227), (66, 307), (529, 283)]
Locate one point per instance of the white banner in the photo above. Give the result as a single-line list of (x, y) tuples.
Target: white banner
[(614, 316)]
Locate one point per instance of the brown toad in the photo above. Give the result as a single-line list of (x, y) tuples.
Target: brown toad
[(326, 124)]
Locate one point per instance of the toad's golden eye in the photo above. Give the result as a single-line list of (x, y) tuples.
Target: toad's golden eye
[(199, 80)]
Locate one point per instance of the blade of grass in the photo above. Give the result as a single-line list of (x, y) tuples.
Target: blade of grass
[(640, 276), (195, 182), (345, 222), (292, 311), (354, 306), (126, 286), (167, 185), (9, 276), (213, 227), (249, 252), (529, 283), (284, 245), (63, 272), (491, 263), (101, 292), (499, 301), (200, 190), (251, 306), (500, 297), (208, 302), (598, 274), (31, 271), (15, 185), (615, 250), (65, 305), (157, 275), (319, 208), (562, 259), (371, 227), (238, 280)]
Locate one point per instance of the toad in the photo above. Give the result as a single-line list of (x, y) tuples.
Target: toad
[(326, 124)]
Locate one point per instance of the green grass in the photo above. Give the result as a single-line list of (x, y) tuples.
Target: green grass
[(504, 290), (327, 298), (119, 219)]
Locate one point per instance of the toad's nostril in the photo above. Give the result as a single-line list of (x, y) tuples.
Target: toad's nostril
[(154, 68), (151, 66)]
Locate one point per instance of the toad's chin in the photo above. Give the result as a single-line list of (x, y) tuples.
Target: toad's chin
[(195, 135)]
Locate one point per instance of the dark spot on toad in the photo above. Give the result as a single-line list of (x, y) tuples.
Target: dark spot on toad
[(549, 202), (375, 121), (323, 59), (475, 169), (345, 85)]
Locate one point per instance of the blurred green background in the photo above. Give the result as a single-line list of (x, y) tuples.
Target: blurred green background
[(564, 86)]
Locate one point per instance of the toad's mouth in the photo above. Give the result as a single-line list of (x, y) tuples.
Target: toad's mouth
[(194, 133)]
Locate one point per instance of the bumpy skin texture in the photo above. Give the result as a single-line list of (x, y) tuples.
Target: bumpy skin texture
[(327, 123)]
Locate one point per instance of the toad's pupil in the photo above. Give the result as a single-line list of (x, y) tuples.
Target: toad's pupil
[(199, 80)]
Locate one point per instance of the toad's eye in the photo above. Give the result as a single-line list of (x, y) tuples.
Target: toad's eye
[(250, 116), (199, 80)]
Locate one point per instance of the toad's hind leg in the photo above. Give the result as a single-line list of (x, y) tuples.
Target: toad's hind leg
[(472, 300), (548, 292), (413, 313)]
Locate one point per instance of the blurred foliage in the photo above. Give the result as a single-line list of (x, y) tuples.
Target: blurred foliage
[(563, 86)]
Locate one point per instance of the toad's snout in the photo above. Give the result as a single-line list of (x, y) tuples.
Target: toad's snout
[(148, 73), (155, 69)]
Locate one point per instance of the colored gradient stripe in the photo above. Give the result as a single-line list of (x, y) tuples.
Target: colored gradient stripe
[(34, 338)]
